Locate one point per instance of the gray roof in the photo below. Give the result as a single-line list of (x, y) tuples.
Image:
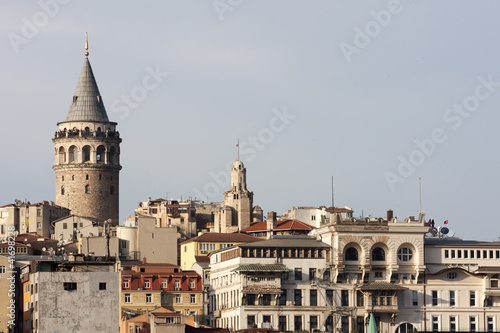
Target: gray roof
[(458, 241), (259, 267), (87, 102), (381, 286), (287, 242)]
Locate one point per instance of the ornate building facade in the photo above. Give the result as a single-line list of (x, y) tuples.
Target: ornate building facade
[(87, 154)]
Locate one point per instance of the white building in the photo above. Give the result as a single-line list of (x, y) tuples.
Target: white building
[(316, 216)]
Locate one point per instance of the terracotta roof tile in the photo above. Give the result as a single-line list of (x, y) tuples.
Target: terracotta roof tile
[(223, 237)]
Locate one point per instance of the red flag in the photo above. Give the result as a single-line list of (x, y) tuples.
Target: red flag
[(238, 145), (446, 222)]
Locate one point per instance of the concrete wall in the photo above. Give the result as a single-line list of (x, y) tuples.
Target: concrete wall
[(158, 245)]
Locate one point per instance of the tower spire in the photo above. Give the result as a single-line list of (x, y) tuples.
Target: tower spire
[(86, 45)]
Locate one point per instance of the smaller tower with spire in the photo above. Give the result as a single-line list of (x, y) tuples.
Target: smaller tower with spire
[(87, 153)]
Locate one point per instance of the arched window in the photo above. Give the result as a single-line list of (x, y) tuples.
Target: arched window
[(405, 254), (111, 190), (405, 328), (73, 177), (86, 154), (73, 154), (100, 154), (87, 129), (351, 254), (62, 190), (112, 155), (86, 177), (87, 189), (378, 254), (62, 155)]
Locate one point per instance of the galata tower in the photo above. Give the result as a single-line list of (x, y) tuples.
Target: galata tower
[(87, 154)]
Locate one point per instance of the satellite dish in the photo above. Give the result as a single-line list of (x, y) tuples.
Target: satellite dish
[(322, 328), (433, 231), (445, 230)]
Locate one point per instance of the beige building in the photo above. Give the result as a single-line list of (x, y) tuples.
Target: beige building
[(236, 212), (87, 154)]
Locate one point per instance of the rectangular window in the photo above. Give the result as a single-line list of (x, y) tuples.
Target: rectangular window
[(26, 306), (360, 324), (312, 273), (297, 323), (446, 254), (453, 254), (250, 321), (414, 297), (329, 297), (489, 324), (102, 285), (192, 299), (345, 324), (178, 299), (127, 298), (434, 298), (313, 297), (177, 285), (345, 298), (478, 254), (65, 225), (485, 254), (435, 323), (379, 274), (326, 275), (2, 269), (466, 254), (298, 274), (250, 299), (491, 254), (39, 225), (472, 298), (313, 322), (26, 286), (459, 254), (298, 297), (453, 324), (472, 254), (282, 323), (359, 298), (472, 324), (163, 283), (149, 298), (192, 284), (125, 284), (69, 285), (452, 297), (147, 284), (266, 299), (282, 300)]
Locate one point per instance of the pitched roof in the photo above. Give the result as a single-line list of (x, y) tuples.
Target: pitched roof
[(222, 237), (280, 225), (306, 242), (87, 104)]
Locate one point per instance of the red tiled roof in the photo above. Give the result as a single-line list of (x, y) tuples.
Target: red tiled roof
[(9, 205), (222, 237), (32, 238), (202, 259), (280, 225)]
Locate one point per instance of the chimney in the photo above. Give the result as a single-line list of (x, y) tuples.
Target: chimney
[(271, 220), (390, 214)]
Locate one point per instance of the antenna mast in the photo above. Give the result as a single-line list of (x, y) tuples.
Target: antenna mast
[(333, 202), (420, 193)]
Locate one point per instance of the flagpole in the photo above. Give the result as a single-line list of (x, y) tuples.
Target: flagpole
[(238, 145), (420, 193)]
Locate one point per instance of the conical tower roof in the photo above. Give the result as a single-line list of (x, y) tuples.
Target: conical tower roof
[(87, 103)]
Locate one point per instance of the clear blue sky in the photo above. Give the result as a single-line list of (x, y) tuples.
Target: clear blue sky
[(375, 93)]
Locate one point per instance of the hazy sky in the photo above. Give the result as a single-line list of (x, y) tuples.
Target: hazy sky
[(373, 93)]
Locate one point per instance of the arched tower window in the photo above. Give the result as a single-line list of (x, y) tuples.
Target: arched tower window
[(73, 177), (73, 154), (62, 155), (378, 254), (86, 177), (112, 155), (100, 154), (62, 190), (86, 154), (111, 190), (351, 254), (87, 189)]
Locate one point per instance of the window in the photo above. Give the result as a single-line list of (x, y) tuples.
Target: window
[(344, 324), (452, 275), (329, 297), (329, 324), (298, 274), (434, 298), (282, 323), (359, 298), (472, 298), (126, 284), (26, 306), (102, 285), (489, 324), (472, 324), (148, 298), (414, 298), (435, 323), (86, 153), (405, 254), (178, 299), (282, 300), (192, 284), (250, 321), (494, 281), (313, 297), (177, 285), (351, 254), (313, 322), (326, 275), (2, 269), (163, 283), (127, 298), (344, 297), (69, 286), (250, 299), (62, 190), (111, 190), (266, 299), (65, 225), (87, 189), (298, 297), (192, 298), (446, 254), (147, 284), (378, 254), (379, 274), (297, 323), (452, 298), (453, 324)]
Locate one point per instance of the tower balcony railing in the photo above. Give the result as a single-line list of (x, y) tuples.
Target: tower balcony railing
[(86, 134)]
